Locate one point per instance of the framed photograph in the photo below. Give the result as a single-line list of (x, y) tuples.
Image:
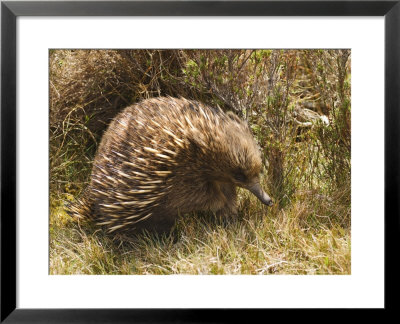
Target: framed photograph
[(167, 161)]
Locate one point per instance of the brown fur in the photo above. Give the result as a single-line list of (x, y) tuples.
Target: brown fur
[(163, 157)]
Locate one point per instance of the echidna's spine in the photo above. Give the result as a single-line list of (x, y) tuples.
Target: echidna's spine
[(80, 208)]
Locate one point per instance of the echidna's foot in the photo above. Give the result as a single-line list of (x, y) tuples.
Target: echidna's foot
[(160, 225), (227, 215)]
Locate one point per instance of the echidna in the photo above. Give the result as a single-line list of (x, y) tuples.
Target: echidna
[(163, 157)]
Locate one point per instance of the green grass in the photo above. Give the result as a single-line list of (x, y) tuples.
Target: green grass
[(261, 241)]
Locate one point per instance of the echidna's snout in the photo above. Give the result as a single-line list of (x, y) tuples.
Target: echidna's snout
[(256, 189)]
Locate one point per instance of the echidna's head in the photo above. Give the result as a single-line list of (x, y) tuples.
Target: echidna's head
[(240, 158), (246, 173)]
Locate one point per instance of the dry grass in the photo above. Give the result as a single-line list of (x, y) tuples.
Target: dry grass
[(267, 242)]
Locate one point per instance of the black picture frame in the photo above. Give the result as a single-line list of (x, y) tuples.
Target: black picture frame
[(10, 10)]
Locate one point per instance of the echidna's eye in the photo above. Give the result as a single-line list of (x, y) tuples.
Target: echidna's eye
[(239, 176)]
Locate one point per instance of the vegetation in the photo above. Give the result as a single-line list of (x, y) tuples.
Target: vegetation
[(297, 103)]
